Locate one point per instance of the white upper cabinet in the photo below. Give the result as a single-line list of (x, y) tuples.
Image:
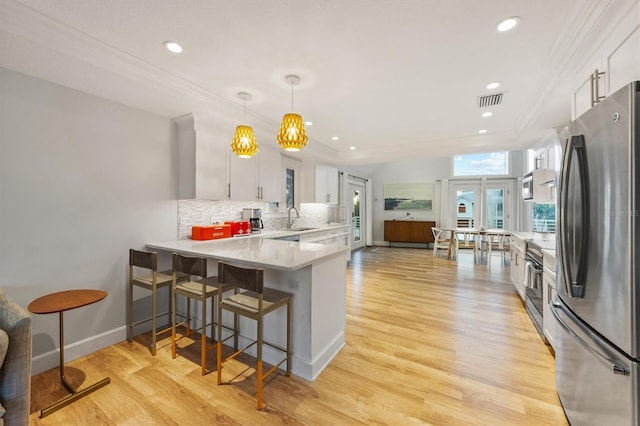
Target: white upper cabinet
[(202, 160), (269, 176), (256, 178), (326, 185), (243, 175), (321, 184), (618, 58)]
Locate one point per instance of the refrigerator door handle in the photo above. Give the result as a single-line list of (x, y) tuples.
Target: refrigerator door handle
[(613, 365), (574, 283)]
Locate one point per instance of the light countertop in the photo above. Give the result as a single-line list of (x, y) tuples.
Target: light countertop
[(259, 250), (545, 240)]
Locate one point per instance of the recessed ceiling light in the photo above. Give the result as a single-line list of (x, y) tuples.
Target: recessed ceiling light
[(493, 85), (508, 24), (352, 148), (487, 114), (308, 123), (483, 131), (172, 46), (335, 138)]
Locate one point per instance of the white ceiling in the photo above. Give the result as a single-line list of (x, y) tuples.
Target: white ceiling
[(397, 79)]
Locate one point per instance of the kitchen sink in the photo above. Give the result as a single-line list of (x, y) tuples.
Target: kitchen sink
[(289, 238), (301, 229)]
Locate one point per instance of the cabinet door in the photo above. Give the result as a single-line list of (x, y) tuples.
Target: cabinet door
[(512, 267), (202, 160), (269, 175), (548, 321), (243, 178), (420, 232), (396, 231), (326, 185), (621, 54)]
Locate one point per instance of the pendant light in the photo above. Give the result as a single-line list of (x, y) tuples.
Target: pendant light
[(292, 136), (244, 143)]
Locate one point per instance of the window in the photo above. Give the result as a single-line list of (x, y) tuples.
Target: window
[(484, 164), (544, 217), (291, 180), (290, 199)]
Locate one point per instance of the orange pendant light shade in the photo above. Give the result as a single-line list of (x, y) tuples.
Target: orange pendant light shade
[(244, 142), (292, 136)]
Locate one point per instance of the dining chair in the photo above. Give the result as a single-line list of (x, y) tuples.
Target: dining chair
[(496, 242), (143, 273), (442, 241), (468, 239), (251, 299)]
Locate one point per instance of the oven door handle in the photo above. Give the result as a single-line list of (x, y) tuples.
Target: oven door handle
[(531, 274)]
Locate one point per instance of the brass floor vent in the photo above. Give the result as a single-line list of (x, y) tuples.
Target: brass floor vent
[(490, 100)]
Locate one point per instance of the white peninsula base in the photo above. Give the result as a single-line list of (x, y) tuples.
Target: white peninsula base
[(316, 276)]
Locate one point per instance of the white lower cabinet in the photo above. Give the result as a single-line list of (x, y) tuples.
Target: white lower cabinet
[(518, 266), (548, 294)]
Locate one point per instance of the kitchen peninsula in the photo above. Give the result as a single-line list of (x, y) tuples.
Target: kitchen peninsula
[(314, 273)]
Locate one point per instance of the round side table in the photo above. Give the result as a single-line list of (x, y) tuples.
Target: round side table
[(58, 303)]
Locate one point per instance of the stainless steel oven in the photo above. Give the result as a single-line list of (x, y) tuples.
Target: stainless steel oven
[(533, 280)]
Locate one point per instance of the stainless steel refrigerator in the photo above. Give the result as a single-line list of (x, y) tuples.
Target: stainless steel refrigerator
[(597, 306)]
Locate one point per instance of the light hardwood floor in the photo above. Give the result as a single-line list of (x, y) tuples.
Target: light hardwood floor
[(427, 342)]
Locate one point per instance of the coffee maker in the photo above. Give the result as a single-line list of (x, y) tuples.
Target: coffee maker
[(254, 218)]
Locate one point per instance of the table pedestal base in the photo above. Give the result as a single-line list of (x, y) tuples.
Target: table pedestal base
[(74, 396)]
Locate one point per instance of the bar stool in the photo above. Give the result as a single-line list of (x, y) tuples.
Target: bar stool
[(151, 280), (254, 303), (200, 290)]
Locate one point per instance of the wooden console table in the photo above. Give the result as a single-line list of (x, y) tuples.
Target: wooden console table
[(408, 231), (58, 303)]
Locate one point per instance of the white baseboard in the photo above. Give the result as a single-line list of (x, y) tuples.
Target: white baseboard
[(76, 350), (303, 368)]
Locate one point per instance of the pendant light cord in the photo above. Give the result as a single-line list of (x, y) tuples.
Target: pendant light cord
[(292, 96)]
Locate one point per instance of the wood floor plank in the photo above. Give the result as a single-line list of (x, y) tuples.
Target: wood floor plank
[(428, 342)]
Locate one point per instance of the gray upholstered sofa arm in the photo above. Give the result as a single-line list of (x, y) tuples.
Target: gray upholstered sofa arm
[(15, 374)]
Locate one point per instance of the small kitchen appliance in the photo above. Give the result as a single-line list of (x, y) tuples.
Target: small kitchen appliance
[(254, 216), (240, 228)]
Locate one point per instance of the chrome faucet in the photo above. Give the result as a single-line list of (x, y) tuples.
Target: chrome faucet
[(289, 220)]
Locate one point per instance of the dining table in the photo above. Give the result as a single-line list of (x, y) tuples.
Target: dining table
[(479, 234)]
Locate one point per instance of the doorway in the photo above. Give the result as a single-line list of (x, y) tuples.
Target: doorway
[(482, 204), (356, 204), (499, 205), (467, 199)]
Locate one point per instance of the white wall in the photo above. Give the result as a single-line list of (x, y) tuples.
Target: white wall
[(82, 180), (413, 171)]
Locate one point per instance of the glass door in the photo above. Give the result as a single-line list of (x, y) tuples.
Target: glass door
[(468, 203), (482, 204), (356, 194), (499, 209)]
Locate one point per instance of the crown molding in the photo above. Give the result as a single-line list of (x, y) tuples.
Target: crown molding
[(214, 112)]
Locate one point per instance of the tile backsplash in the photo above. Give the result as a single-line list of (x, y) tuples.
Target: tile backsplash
[(206, 212)]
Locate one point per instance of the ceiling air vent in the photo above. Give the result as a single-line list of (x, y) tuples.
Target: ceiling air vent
[(490, 100)]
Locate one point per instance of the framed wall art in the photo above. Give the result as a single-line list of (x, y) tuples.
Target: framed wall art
[(408, 196)]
